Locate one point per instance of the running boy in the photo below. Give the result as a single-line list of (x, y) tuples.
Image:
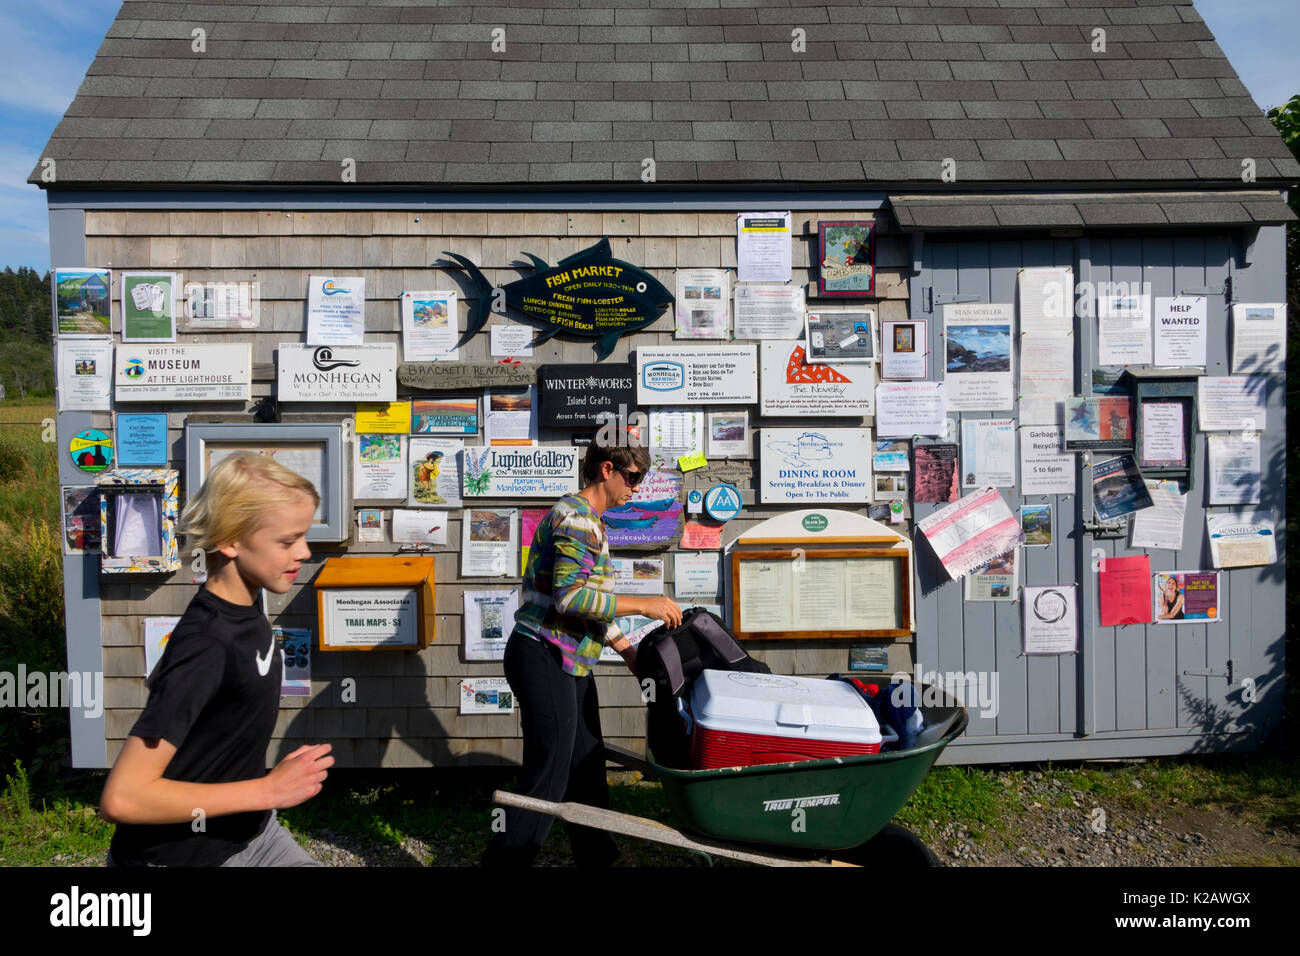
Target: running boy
[(190, 787)]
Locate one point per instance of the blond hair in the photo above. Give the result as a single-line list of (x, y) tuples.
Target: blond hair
[(235, 498)]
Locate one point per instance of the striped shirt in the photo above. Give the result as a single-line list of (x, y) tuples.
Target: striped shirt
[(568, 590)]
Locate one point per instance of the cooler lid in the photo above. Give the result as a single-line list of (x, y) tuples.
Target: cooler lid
[(782, 706)]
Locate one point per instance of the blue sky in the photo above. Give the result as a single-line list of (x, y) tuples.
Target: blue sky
[(45, 49)]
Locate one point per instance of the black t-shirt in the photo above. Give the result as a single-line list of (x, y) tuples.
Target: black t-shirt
[(214, 695)]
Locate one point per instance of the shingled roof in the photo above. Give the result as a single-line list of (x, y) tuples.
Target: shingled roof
[(1015, 91)]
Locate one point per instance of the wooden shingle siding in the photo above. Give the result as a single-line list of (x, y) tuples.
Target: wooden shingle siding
[(405, 713)]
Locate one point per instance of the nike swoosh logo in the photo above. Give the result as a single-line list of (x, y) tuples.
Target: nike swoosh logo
[(264, 666)]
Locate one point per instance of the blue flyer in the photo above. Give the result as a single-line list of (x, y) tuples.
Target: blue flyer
[(141, 440)]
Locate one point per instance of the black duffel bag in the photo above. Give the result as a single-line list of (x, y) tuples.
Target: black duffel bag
[(671, 658)]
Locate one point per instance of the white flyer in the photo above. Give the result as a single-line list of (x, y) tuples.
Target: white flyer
[(511, 340), (978, 356), (379, 467), (157, 632), (638, 575), (489, 619), (971, 531), (1241, 540), (676, 432), (1161, 525), (417, 526), (703, 306), (1180, 327), (793, 387), (1046, 344), (905, 409), (988, 452), (486, 695), (1231, 403), (1046, 468), (1259, 337), (336, 310), (764, 250), (489, 542), (85, 374), (1162, 433), (769, 311), (434, 469), (1234, 469), (697, 575), (430, 327), (728, 435), (1051, 619), (904, 350), (510, 415), (1123, 328)]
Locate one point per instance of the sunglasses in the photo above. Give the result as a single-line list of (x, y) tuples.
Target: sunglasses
[(633, 478)]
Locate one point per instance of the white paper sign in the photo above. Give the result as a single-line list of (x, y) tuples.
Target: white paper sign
[(763, 247), (336, 310), (85, 374), (1258, 337), (1161, 525), (685, 375), (638, 575), (430, 327), (904, 349), (489, 619), (511, 340), (676, 431), (1241, 540), (1228, 403), (793, 387), (1051, 619), (157, 632), (978, 354), (1234, 469), (905, 409), (336, 373), (183, 373), (988, 452), (1180, 330), (1046, 468), (486, 695), (1046, 344), (816, 464), (370, 616), (769, 311), (1123, 328), (489, 542), (379, 467), (703, 306), (416, 526), (696, 576)]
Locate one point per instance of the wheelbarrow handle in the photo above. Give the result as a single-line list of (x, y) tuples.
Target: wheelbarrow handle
[(629, 759)]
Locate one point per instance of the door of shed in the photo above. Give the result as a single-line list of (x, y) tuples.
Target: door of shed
[(1141, 689)]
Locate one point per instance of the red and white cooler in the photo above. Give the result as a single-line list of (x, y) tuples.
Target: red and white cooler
[(741, 720)]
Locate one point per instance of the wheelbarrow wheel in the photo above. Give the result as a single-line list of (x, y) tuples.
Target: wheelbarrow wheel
[(894, 847)]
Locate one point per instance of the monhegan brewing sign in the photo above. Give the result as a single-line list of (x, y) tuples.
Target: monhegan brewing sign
[(576, 394), (588, 293), (191, 373)]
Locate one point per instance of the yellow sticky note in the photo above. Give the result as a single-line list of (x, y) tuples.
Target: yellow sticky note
[(380, 417), (693, 461)]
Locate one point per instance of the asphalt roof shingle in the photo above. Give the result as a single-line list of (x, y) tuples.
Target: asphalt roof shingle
[(1017, 91)]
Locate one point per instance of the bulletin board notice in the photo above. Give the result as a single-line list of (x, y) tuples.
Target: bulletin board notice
[(823, 593)]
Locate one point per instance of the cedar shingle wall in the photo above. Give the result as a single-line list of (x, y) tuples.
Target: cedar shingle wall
[(405, 714)]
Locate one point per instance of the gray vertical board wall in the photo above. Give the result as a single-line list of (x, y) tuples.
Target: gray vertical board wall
[(1143, 680), (80, 572)]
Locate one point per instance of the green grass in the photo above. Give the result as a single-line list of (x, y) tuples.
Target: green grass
[(59, 831)]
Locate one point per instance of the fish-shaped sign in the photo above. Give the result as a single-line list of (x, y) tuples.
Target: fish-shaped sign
[(589, 293)]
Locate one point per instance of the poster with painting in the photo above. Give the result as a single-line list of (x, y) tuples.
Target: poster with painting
[(81, 302), (1036, 523), (728, 435), (434, 467), (847, 254), (903, 350), (149, 306)]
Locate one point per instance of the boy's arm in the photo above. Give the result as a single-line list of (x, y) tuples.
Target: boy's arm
[(137, 792)]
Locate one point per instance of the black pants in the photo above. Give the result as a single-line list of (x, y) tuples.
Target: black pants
[(564, 755)]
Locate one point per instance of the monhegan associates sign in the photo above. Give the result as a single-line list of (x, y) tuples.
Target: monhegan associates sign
[(337, 373)]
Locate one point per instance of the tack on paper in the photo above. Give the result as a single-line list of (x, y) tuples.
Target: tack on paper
[(1258, 337), (1233, 404), (430, 327), (971, 531), (905, 409), (769, 311), (1124, 586), (1161, 525), (1123, 328), (977, 356), (415, 526), (988, 452), (703, 306), (1180, 330), (489, 619), (1241, 540), (512, 340), (764, 251), (1234, 469), (489, 540), (1051, 619), (696, 576), (1046, 468), (336, 310)]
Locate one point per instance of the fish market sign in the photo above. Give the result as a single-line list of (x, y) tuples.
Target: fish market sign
[(589, 294), (578, 394), (520, 472), (337, 373), (191, 373)]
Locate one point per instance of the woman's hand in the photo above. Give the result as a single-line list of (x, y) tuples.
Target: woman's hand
[(660, 609)]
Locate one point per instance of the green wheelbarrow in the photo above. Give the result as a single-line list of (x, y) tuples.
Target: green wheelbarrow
[(803, 809)]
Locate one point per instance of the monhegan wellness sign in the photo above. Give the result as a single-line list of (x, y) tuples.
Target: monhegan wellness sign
[(520, 472), (577, 394), (190, 373), (687, 375), (337, 373)]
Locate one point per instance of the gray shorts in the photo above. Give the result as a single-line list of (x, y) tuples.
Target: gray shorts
[(274, 845)]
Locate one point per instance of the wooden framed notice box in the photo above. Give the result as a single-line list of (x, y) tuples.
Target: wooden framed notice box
[(783, 593), (375, 603)]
